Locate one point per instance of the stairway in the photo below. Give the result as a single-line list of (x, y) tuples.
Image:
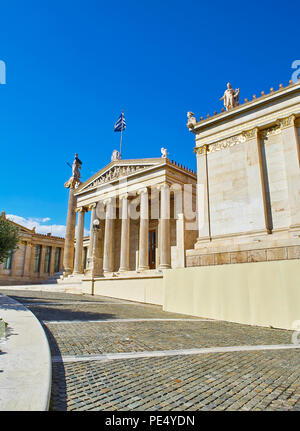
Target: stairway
[(53, 279)]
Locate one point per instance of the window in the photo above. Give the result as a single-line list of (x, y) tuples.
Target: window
[(7, 261), (47, 259), (37, 258)]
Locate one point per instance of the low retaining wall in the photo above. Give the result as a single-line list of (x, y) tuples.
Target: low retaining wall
[(25, 360), (263, 293), (144, 289)]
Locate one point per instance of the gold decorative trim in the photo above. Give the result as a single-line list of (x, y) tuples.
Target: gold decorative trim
[(286, 121)]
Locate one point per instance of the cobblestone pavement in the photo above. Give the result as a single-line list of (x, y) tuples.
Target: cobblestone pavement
[(238, 380)]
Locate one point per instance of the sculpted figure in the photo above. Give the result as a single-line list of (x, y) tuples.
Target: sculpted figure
[(191, 120), (76, 167), (164, 152), (115, 156), (230, 97)]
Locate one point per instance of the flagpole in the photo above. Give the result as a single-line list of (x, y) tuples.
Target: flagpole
[(121, 143), (121, 134)]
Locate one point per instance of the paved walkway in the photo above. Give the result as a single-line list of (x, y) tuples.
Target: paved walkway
[(110, 354)]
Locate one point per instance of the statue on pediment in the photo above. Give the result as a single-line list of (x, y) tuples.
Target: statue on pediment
[(115, 156), (164, 153), (231, 97), (191, 120)]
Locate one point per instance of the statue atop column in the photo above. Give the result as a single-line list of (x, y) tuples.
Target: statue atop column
[(231, 97), (74, 181)]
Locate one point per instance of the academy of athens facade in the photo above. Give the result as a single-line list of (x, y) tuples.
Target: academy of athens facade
[(238, 259), (146, 214)]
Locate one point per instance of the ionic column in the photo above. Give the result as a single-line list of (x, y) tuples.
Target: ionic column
[(125, 234), (78, 267), (165, 234), (92, 230), (70, 230), (144, 231), (203, 212), (290, 146), (108, 258)]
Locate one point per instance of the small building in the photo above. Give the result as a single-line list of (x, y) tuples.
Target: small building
[(37, 258)]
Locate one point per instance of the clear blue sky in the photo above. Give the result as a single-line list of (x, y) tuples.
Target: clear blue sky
[(73, 65)]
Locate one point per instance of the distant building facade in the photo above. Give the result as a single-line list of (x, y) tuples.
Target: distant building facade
[(37, 258)]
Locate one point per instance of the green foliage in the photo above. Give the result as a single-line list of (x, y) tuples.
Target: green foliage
[(9, 238)]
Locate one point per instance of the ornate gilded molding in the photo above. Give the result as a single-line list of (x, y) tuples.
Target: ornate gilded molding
[(286, 121), (275, 130), (250, 134)]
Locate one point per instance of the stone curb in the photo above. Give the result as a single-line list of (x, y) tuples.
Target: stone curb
[(25, 360)]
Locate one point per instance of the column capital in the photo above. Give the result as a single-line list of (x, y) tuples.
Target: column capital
[(251, 133), (286, 121), (107, 201), (201, 150), (142, 191), (80, 209), (92, 206), (163, 186), (124, 196)]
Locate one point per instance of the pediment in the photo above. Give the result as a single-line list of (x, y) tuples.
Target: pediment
[(114, 173)]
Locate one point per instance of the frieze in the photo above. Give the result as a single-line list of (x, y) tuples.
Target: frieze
[(116, 173)]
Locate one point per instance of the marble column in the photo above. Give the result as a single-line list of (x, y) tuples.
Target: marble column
[(165, 234), (125, 234), (291, 152), (92, 208), (203, 212), (96, 260), (108, 257), (257, 187), (144, 231), (70, 230), (78, 267)]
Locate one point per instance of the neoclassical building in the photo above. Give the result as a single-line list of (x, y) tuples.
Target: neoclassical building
[(37, 258), (145, 212)]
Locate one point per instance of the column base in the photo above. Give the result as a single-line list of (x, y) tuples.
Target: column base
[(124, 269), (164, 266), (143, 268)]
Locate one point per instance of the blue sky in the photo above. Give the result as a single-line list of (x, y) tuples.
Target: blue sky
[(72, 66)]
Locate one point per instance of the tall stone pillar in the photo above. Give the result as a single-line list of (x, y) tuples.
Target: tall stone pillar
[(144, 231), (291, 151), (165, 234), (125, 234), (72, 184), (108, 257), (78, 267), (203, 213), (257, 187), (70, 232), (92, 208)]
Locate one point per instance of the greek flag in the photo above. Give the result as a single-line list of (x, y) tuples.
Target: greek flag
[(120, 124)]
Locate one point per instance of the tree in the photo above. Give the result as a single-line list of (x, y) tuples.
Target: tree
[(9, 237)]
